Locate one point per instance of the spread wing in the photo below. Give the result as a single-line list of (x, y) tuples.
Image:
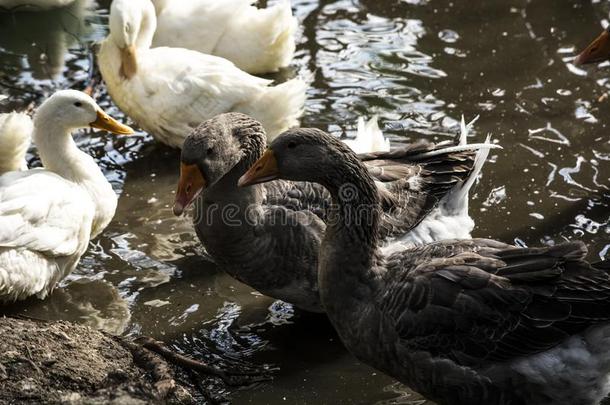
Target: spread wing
[(480, 301), (412, 180), (42, 212), (409, 186)]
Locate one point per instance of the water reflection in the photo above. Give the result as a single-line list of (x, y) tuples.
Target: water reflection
[(38, 43), (95, 303), (419, 65)]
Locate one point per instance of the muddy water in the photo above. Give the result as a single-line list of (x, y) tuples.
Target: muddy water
[(419, 65)]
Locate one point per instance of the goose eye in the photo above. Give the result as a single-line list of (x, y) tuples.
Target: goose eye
[(209, 151), (78, 104), (292, 145), (128, 28)]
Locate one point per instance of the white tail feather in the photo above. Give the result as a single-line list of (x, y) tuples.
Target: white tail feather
[(464, 128), (456, 202), (450, 219), (15, 138), (454, 149), (280, 107), (266, 36), (369, 138)]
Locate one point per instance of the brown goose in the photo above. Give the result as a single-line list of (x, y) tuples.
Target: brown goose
[(462, 321), (268, 236)]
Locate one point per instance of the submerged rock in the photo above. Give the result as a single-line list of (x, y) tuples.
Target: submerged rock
[(61, 362)]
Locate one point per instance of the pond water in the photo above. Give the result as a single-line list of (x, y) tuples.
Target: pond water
[(419, 65)]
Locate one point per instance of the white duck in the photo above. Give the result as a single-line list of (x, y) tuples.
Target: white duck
[(48, 216), (255, 40), (15, 138), (169, 91), (32, 5)]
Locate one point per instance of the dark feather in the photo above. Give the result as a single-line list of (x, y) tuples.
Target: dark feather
[(481, 301)]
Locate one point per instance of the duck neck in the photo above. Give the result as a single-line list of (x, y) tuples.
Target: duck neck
[(160, 5), (58, 152), (225, 190), (348, 262), (227, 216), (147, 28), (117, 40), (60, 155)]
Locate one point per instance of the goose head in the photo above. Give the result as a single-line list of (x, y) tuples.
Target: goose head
[(226, 144), (301, 154), (132, 27), (68, 110), (596, 51)]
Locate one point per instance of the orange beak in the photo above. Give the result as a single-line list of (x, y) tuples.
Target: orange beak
[(597, 51), (106, 122), (129, 62), (264, 170), (191, 184)]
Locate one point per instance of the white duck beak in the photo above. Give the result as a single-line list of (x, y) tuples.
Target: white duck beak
[(107, 123), (129, 62)]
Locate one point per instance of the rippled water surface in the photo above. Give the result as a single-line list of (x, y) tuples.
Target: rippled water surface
[(419, 65)]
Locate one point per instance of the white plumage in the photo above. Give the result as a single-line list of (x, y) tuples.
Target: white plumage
[(45, 223), (15, 138), (47, 216), (255, 40), (450, 219), (169, 91), (369, 137)]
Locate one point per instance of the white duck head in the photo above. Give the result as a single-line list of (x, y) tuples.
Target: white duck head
[(61, 114), (132, 27), (68, 110)]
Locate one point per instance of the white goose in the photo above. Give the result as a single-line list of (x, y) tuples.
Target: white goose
[(169, 91), (15, 138), (48, 216), (255, 40)]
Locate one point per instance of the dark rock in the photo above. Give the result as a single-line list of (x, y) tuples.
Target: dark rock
[(61, 362)]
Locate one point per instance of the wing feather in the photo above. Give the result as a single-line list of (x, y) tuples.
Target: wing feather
[(478, 301), (42, 212)]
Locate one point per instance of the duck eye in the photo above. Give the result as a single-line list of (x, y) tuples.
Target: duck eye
[(209, 151), (292, 144), (78, 104)]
